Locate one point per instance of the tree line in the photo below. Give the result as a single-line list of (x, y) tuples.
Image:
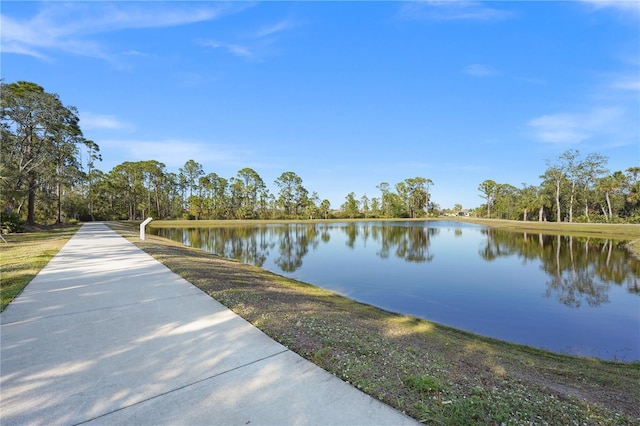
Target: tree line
[(135, 190), (44, 180), (574, 188)]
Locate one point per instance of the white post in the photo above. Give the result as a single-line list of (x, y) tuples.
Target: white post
[(142, 225)]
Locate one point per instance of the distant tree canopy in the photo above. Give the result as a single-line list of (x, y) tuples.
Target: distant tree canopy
[(43, 180), (574, 188), (134, 190)]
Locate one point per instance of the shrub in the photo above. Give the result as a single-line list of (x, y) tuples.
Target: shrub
[(10, 222), (423, 384)]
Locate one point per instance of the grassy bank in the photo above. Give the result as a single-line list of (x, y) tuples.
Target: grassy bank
[(612, 230), (434, 373), (24, 255)]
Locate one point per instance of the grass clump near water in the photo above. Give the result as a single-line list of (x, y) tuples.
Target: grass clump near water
[(434, 373), (25, 254)]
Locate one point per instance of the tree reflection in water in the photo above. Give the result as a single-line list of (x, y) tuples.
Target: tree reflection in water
[(410, 243), (579, 269), (564, 293)]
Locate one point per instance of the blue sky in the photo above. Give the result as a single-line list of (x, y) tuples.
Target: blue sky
[(345, 94)]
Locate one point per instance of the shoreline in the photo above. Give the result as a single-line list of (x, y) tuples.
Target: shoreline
[(626, 232)]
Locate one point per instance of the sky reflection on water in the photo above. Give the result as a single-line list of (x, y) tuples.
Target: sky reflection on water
[(566, 294)]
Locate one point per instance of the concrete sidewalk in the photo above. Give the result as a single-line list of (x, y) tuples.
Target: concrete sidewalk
[(105, 334)]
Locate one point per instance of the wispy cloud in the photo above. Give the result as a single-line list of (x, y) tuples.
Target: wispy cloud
[(39, 36), (451, 10), (90, 120), (574, 128), (480, 70), (138, 54), (630, 83), (68, 27), (175, 152), (622, 5), (276, 28), (232, 48), (254, 45)]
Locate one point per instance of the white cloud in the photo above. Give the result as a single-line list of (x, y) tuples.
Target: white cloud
[(90, 120), (253, 46), (559, 128), (137, 53), (574, 128), (480, 70), (451, 10), (622, 5), (626, 83), (274, 29), (67, 27), (234, 49)]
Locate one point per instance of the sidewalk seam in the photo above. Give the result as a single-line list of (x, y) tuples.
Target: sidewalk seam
[(95, 310), (183, 386)]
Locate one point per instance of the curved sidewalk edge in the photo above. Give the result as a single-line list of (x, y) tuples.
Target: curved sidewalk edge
[(105, 334)]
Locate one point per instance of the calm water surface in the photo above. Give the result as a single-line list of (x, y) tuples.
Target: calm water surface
[(566, 294)]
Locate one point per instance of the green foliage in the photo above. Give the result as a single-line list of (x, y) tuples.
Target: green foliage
[(424, 384), (11, 222), (41, 149), (351, 206), (573, 189)]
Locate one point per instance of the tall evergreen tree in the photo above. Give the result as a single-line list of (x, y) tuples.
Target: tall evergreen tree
[(40, 139)]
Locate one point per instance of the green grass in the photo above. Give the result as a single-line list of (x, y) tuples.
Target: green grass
[(24, 255), (423, 384)]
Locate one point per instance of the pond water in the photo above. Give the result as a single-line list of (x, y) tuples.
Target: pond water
[(577, 295)]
